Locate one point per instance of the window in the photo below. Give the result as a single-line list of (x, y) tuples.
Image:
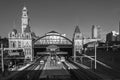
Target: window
[(10, 35), (19, 44)]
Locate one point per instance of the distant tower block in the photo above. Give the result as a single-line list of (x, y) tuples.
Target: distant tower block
[(25, 19), (93, 27), (99, 32), (119, 30), (96, 32)]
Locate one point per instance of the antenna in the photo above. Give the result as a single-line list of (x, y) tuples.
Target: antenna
[(24, 2), (14, 25)]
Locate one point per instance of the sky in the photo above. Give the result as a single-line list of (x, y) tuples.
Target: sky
[(60, 15)]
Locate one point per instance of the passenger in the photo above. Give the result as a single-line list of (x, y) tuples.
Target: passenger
[(68, 67), (28, 77)]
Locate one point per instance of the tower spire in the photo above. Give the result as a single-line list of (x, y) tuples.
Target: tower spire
[(14, 25), (77, 33), (24, 8), (77, 30)]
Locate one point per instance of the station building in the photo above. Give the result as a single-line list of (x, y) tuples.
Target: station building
[(21, 41), (30, 45)]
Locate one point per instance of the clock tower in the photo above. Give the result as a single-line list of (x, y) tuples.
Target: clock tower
[(78, 42), (25, 19)]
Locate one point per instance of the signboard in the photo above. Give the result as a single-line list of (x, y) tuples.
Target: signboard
[(14, 54), (13, 48)]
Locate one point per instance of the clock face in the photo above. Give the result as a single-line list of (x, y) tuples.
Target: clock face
[(25, 21), (25, 15)]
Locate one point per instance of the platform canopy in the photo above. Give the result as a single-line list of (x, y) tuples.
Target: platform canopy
[(53, 37)]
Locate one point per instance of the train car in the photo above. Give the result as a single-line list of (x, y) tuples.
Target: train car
[(62, 59)]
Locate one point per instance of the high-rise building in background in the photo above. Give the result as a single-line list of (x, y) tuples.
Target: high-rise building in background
[(119, 32), (99, 32), (119, 27), (93, 27), (118, 36), (96, 32), (112, 36)]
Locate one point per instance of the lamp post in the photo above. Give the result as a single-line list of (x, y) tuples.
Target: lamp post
[(107, 45), (74, 55), (82, 45)]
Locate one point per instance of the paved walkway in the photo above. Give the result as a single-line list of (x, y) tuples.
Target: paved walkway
[(23, 67)]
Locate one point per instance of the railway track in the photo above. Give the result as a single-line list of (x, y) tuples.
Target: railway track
[(33, 72), (29, 72), (78, 73)]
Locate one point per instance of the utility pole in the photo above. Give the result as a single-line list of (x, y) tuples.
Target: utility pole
[(95, 54), (2, 62), (74, 55), (91, 64), (107, 45)]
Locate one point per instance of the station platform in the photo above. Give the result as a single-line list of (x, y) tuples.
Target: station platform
[(52, 70)]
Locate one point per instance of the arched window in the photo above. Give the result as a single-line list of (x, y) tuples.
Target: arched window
[(27, 36), (13, 44)]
